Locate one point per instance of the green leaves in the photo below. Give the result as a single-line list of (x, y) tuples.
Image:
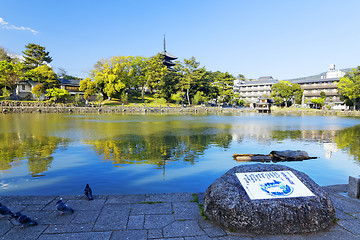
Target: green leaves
[(35, 55), (349, 86), (285, 91), (10, 74), (43, 74)]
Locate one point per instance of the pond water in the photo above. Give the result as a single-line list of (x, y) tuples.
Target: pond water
[(55, 154)]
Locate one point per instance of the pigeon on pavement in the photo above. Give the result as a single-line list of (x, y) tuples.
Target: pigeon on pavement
[(5, 211), (62, 207), (88, 192), (24, 220)]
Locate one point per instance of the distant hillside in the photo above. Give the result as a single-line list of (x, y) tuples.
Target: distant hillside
[(316, 76)]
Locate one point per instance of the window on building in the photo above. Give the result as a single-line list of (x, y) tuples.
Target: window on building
[(23, 87)]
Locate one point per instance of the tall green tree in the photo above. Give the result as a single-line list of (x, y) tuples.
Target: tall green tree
[(114, 77), (4, 55), (35, 56), (57, 94), (88, 87), (10, 74), (191, 73), (224, 82), (43, 74), (349, 86), (155, 73), (285, 91)]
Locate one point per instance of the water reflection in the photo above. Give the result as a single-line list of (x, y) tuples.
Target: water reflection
[(348, 140), (38, 150), (158, 149)]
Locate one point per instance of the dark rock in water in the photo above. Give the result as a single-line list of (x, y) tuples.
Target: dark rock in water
[(226, 203), (289, 155)]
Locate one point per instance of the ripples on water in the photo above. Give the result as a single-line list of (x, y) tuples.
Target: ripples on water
[(134, 153)]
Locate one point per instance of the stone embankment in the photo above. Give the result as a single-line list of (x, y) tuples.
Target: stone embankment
[(46, 107)]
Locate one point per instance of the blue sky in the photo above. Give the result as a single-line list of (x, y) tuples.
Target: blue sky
[(283, 39)]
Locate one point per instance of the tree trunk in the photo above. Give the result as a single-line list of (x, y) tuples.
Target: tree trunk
[(188, 98)]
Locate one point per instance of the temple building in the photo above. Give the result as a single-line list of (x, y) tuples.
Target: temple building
[(167, 58)]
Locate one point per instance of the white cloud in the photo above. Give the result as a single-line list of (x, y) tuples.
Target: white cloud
[(6, 25)]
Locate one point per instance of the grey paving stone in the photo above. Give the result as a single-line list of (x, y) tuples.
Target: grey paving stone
[(113, 217), (352, 226), (34, 207), (115, 199), (136, 222), (82, 204), (205, 223), (14, 206), (5, 226), (344, 204), (186, 210), (214, 231), (31, 232), (130, 235), (201, 197), (332, 235), (341, 215), (169, 197), (27, 200), (86, 216), (356, 215), (233, 238), (198, 238), (69, 228), (155, 208), (158, 221), (77, 236), (155, 233), (50, 217), (189, 228)]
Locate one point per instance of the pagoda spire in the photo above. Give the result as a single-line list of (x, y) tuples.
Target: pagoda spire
[(167, 57)]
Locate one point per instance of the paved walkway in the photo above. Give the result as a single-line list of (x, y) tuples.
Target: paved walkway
[(149, 216)]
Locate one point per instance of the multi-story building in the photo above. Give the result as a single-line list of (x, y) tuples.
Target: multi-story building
[(326, 83), (252, 91)]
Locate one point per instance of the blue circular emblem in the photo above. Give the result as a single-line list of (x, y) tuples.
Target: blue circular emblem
[(277, 189)]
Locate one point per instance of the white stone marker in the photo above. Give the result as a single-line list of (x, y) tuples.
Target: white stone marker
[(276, 184)]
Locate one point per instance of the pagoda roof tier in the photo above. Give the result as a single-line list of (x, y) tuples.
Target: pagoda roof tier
[(168, 55), (168, 63)]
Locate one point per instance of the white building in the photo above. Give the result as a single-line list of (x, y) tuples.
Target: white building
[(252, 91)]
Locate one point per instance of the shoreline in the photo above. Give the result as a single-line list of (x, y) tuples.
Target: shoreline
[(64, 109), (151, 216)]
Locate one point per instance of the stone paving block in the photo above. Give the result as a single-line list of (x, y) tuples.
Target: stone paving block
[(116, 199), (332, 235), (186, 210), (83, 204), (27, 200), (198, 238), (356, 215), (14, 206), (214, 231), (69, 228), (50, 217), (113, 217), (5, 226), (341, 215), (86, 216), (234, 238), (30, 232), (155, 208), (155, 233), (344, 204), (201, 197), (34, 207), (158, 221), (352, 226), (77, 236), (130, 235), (169, 197), (189, 228), (136, 222), (204, 223)]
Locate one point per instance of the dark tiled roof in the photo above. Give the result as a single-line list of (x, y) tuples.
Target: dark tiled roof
[(300, 81), (168, 55), (69, 82)]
